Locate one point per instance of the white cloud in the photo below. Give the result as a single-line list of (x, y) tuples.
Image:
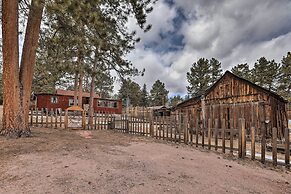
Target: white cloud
[(232, 31)]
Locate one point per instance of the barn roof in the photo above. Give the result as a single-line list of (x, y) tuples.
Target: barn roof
[(275, 95)]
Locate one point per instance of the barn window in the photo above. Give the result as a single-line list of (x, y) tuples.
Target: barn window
[(54, 99)]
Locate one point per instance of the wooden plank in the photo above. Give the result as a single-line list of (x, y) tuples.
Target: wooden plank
[(274, 145), (36, 119), (31, 117), (287, 147), (216, 134), (186, 132), (253, 143), (263, 143), (180, 127), (243, 136), (209, 134), (240, 139), (61, 114), (56, 118), (46, 117), (202, 133), (231, 136), (41, 116), (223, 135), (197, 132), (52, 115)]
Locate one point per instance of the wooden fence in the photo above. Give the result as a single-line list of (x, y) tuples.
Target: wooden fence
[(180, 129)]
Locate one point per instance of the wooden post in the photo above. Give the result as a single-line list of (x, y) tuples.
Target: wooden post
[(31, 117), (36, 119), (274, 145), (253, 143), (66, 119), (263, 143), (231, 135), (223, 135), (180, 127), (46, 117), (243, 136), (61, 114), (202, 133), (186, 135), (197, 132), (95, 121), (56, 119), (216, 134), (240, 139), (83, 120), (41, 116), (209, 134), (52, 119), (287, 148)]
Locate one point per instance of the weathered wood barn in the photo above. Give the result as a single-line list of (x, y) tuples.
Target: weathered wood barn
[(65, 98), (231, 98)]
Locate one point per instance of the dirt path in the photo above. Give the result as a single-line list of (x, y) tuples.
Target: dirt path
[(59, 161)]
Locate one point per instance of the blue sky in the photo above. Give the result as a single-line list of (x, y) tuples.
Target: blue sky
[(236, 31)]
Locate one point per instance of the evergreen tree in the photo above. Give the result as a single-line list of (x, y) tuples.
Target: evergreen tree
[(131, 91), (265, 73), (242, 70), (284, 81), (144, 97), (159, 94), (215, 70), (199, 77), (175, 100)]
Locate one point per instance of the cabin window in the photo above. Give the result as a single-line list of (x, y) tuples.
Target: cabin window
[(54, 99), (71, 102)]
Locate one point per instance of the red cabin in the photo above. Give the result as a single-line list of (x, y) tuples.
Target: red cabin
[(65, 98)]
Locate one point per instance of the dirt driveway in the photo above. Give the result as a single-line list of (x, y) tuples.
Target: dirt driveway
[(60, 161)]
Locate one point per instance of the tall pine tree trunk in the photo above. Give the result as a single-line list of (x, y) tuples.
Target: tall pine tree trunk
[(29, 55), (12, 112), (76, 89), (91, 102), (80, 92)]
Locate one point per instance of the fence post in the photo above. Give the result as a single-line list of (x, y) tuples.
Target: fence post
[(216, 134), (197, 132), (243, 136), (31, 117), (223, 135), (209, 134), (41, 116), (287, 148), (263, 142), (36, 119), (231, 135), (253, 143), (56, 119), (274, 145), (61, 114), (52, 114), (46, 117), (240, 138), (66, 119)]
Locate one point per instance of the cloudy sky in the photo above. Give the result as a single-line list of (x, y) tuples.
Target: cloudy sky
[(233, 31)]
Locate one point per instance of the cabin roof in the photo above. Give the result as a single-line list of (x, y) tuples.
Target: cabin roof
[(61, 92), (275, 95)]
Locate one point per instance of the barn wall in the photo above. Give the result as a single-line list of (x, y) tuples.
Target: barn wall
[(232, 98)]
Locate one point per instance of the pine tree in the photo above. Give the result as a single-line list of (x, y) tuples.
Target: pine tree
[(265, 73), (144, 97), (159, 94), (175, 100), (242, 70), (199, 77), (215, 70), (131, 91), (284, 81)]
